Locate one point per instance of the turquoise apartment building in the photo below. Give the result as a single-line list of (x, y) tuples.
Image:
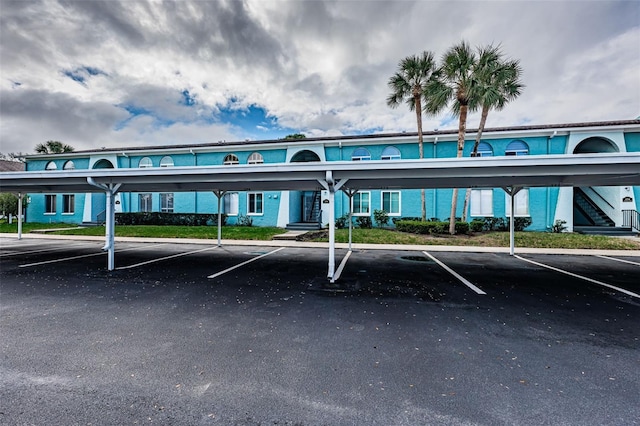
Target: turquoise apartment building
[(588, 206)]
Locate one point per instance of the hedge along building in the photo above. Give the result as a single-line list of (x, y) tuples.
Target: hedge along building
[(601, 206)]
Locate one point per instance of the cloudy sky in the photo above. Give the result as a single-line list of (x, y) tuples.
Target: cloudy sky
[(135, 73)]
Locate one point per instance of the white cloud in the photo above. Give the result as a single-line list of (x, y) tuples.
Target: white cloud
[(318, 67)]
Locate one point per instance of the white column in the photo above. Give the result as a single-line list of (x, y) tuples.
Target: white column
[(512, 241)]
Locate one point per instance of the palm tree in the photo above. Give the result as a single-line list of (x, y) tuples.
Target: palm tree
[(53, 147), (498, 83), (407, 85), (454, 85)]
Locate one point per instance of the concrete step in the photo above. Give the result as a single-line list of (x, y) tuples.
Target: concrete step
[(303, 226), (605, 230), (289, 236)]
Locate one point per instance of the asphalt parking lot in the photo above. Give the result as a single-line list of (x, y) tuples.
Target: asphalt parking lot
[(255, 335)]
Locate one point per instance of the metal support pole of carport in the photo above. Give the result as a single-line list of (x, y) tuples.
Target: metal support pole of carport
[(350, 193), (331, 186), (20, 215), (512, 191), (110, 190), (219, 194)]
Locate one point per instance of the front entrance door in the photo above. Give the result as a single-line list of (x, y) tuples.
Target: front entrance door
[(310, 206)]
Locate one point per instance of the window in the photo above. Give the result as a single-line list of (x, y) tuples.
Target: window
[(166, 161), (69, 165), (517, 148), (51, 166), (360, 154), (390, 153), (255, 203), (68, 204), (230, 159), (231, 203), (144, 202), (484, 150), (49, 204), (391, 202), (166, 202), (521, 203), (361, 204), (482, 202), (145, 162), (255, 158)]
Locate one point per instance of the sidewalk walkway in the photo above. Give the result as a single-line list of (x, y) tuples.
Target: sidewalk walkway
[(307, 244)]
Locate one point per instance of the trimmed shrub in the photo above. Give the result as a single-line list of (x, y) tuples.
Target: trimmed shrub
[(342, 222), (519, 223), (433, 228), (396, 219), (244, 220), (158, 218), (558, 227), (477, 225), (381, 217), (364, 222)]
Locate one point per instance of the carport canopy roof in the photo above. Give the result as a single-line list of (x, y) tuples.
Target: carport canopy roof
[(605, 169)]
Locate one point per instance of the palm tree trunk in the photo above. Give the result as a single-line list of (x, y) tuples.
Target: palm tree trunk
[(474, 153), (462, 128), (418, 109)]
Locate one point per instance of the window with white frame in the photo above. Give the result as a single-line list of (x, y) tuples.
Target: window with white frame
[(361, 204), (49, 204), (231, 203), (51, 166), (391, 202), (484, 150), (521, 203), (361, 154), (231, 159), (69, 165), (517, 147), (166, 202), (391, 153), (481, 202), (255, 158), (68, 204), (255, 203), (166, 161), (144, 202), (145, 163)]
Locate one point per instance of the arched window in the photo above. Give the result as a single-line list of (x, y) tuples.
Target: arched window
[(517, 148), (166, 161), (69, 165), (255, 158), (51, 166), (390, 153), (145, 162), (360, 154), (230, 159), (484, 150)]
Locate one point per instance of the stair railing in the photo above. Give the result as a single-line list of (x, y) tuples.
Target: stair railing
[(631, 219)]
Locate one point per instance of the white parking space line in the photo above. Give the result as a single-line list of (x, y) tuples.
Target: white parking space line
[(591, 280), (244, 263), (64, 259), (31, 252), (618, 260), (166, 258), (455, 274), (341, 267)]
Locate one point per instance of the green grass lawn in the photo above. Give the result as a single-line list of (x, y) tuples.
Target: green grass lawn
[(363, 236)]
